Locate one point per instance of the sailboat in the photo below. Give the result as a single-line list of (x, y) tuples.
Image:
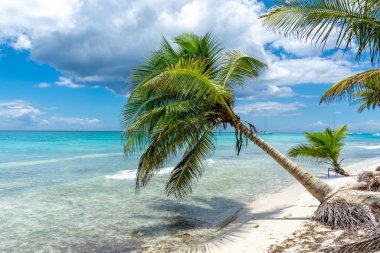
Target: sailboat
[(265, 132)]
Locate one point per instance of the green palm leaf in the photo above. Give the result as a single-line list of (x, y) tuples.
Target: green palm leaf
[(360, 88), (157, 62), (236, 67), (203, 47), (355, 21), (304, 150), (190, 167), (190, 79), (323, 146), (164, 144)]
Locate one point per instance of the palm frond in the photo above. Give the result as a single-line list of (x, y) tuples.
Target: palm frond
[(189, 79), (157, 62), (368, 98), (323, 146), (315, 138), (340, 133), (205, 47), (356, 21), (164, 144), (354, 87), (236, 67), (190, 167), (159, 117), (304, 150)]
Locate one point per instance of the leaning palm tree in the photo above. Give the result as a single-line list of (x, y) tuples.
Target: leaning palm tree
[(180, 96), (324, 146), (354, 24)]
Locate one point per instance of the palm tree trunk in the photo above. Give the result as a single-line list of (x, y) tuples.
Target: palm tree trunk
[(339, 170), (318, 188)]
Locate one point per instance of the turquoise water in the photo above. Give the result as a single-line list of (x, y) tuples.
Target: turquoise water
[(74, 191)]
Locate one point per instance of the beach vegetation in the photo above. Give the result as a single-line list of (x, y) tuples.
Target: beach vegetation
[(324, 147), (180, 96), (354, 25)]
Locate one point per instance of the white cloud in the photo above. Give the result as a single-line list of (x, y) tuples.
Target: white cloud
[(296, 71), (307, 70), (67, 82), (17, 109), (62, 81), (67, 35), (369, 125), (22, 42), (22, 115), (296, 47), (43, 85), (319, 124), (268, 108), (36, 16), (92, 122), (18, 113), (271, 91), (280, 92)]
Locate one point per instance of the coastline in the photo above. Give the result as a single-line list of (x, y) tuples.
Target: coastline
[(273, 218)]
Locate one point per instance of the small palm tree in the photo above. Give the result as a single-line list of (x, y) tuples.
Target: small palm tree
[(357, 23), (180, 96), (324, 146)]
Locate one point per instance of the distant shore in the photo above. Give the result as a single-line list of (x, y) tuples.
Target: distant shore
[(275, 217)]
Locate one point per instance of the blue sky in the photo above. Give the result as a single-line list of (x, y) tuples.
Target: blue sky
[(64, 64)]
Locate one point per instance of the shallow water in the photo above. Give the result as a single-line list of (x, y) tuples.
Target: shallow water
[(74, 191)]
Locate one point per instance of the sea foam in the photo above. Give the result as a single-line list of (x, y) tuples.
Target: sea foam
[(131, 174), (369, 147)]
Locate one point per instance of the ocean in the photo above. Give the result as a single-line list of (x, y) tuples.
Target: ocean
[(75, 191)]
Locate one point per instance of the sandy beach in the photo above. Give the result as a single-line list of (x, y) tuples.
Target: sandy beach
[(274, 218)]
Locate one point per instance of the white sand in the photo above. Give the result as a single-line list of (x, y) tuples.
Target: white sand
[(273, 218)]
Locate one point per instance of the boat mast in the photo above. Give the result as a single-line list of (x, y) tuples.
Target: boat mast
[(265, 124)]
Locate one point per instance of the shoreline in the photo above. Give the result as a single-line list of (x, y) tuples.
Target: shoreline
[(274, 217)]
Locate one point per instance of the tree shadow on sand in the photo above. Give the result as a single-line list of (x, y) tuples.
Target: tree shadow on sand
[(236, 230), (200, 224), (199, 214)]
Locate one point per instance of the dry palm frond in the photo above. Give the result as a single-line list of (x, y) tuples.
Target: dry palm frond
[(341, 213), (374, 184), (365, 176), (371, 180), (370, 245)]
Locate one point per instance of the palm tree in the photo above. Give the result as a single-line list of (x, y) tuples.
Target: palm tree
[(179, 97), (357, 27), (324, 146)]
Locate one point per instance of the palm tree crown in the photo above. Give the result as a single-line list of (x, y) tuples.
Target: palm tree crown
[(179, 96), (324, 146)]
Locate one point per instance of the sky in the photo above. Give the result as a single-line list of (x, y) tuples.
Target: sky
[(64, 64)]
